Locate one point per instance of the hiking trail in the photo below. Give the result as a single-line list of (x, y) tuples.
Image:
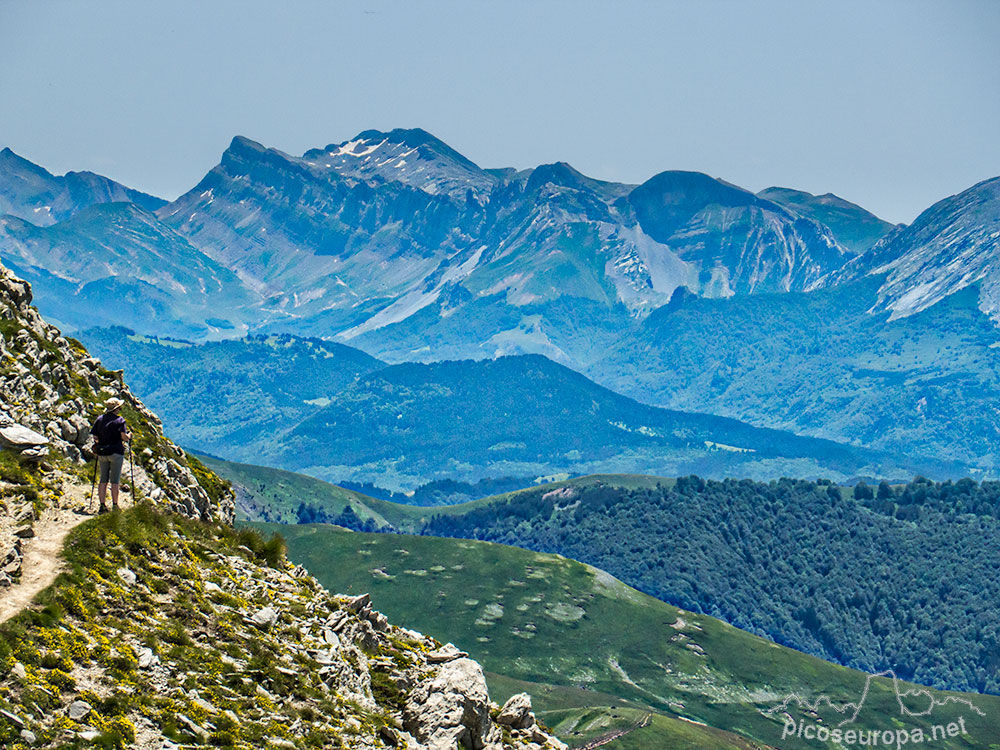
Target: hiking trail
[(42, 556)]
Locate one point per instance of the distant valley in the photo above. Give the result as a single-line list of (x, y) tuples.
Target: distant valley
[(336, 413)]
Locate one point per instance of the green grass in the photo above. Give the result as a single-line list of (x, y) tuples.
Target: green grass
[(581, 636), (275, 494)]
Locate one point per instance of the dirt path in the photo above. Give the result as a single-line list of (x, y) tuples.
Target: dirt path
[(42, 560)]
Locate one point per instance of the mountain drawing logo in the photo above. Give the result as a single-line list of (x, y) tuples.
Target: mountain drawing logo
[(852, 709)]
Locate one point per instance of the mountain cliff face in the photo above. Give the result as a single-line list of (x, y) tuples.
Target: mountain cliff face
[(32, 193), (167, 627), (952, 245), (739, 242), (854, 227)]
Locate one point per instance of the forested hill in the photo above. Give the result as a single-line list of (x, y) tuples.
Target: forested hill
[(902, 578)]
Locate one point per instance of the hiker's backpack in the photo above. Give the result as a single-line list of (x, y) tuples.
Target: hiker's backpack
[(105, 447)]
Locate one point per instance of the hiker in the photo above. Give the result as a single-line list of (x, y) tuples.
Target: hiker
[(110, 435)]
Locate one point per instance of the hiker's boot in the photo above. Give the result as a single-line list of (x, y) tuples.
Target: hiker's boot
[(102, 510)]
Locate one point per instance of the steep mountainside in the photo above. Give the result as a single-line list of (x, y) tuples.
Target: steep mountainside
[(114, 262), (166, 625), (854, 227), (952, 245), (166, 631), (822, 364), (51, 390), (515, 416), (30, 192)]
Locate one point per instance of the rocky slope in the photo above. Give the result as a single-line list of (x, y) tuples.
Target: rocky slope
[(51, 390), (169, 627), (168, 632)]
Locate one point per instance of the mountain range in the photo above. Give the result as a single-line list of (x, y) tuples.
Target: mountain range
[(393, 240), (782, 309), (31, 192)]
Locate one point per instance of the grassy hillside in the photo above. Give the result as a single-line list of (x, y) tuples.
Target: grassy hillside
[(805, 564), (267, 494), (590, 646), (800, 562)]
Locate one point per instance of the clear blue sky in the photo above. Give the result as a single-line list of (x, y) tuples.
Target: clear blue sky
[(893, 105)]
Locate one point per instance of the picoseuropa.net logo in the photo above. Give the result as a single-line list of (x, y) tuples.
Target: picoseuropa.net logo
[(847, 734)]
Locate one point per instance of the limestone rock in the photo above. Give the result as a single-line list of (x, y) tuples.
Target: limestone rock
[(78, 709), (516, 712), (451, 708), (127, 576), (448, 652), (14, 719), (38, 453), (146, 658), (19, 436), (357, 603), (264, 618)]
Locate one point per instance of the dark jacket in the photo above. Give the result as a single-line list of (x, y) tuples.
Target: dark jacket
[(107, 431)]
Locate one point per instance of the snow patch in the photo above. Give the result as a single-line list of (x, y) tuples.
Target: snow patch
[(350, 149)]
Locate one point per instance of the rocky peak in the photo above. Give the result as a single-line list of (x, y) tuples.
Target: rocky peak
[(739, 242), (952, 245), (412, 157)]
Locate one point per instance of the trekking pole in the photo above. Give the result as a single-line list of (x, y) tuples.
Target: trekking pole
[(131, 465), (93, 483)]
